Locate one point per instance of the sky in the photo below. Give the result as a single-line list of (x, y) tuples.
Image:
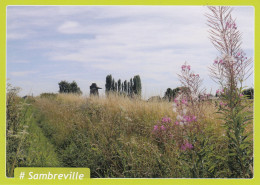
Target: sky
[(47, 44)]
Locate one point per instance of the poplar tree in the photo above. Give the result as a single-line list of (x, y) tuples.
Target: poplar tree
[(108, 83), (125, 86), (119, 85)]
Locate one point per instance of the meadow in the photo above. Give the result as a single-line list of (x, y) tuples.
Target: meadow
[(115, 136), (124, 136)]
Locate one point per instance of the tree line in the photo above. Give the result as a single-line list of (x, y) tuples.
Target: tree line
[(129, 88)]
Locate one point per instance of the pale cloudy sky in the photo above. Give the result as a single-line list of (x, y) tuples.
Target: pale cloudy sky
[(47, 44)]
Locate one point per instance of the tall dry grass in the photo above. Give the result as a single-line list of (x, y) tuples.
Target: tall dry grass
[(113, 136)]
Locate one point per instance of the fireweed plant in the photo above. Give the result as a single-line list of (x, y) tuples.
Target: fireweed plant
[(230, 69), (184, 132), (195, 142)]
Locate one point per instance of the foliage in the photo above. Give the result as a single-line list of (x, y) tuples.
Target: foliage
[(230, 70), (171, 93), (132, 88), (249, 93), (25, 143), (66, 87)]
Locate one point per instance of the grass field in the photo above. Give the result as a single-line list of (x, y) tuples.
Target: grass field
[(114, 137)]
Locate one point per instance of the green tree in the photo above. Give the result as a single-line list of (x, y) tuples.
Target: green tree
[(113, 85), (74, 88), (128, 88), (137, 86), (131, 87), (125, 86), (108, 83), (168, 95), (249, 93), (64, 87), (119, 85)]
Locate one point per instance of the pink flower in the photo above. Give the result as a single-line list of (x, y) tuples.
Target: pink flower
[(155, 127), (222, 104), (221, 61), (176, 123), (241, 95), (186, 146), (163, 128), (238, 54), (175, 100), (194, 118), (183, 67), (215, 62), (188, 67), (184, 101), (183, 147), (189, 145), (166, 120)]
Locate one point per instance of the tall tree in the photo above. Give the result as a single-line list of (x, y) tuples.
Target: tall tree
[(128, 88), (131, 86), (113, 85), (125, 86), (137, 86), (108, 83), (119, 85)]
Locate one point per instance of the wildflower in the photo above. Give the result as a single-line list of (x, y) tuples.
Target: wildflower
[(222, 104), (176, 123), (166, 120), (188, 67), (174, 109), (241, 95), (184, 111), (221, 61), (194, 118), (163, 128), (186, 146), (155, 127), (175, 100), (215, 62), (184, 101), (183, 67)]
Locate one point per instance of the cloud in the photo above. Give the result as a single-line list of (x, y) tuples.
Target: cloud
[(152, 41), (22, 73), (70, 27), (14, 36), (19, 61)]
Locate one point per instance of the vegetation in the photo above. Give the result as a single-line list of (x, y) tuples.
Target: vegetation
[(249, 93), (132, 88), (171, 93), (26, 144), (121, 136), (66, 87)]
